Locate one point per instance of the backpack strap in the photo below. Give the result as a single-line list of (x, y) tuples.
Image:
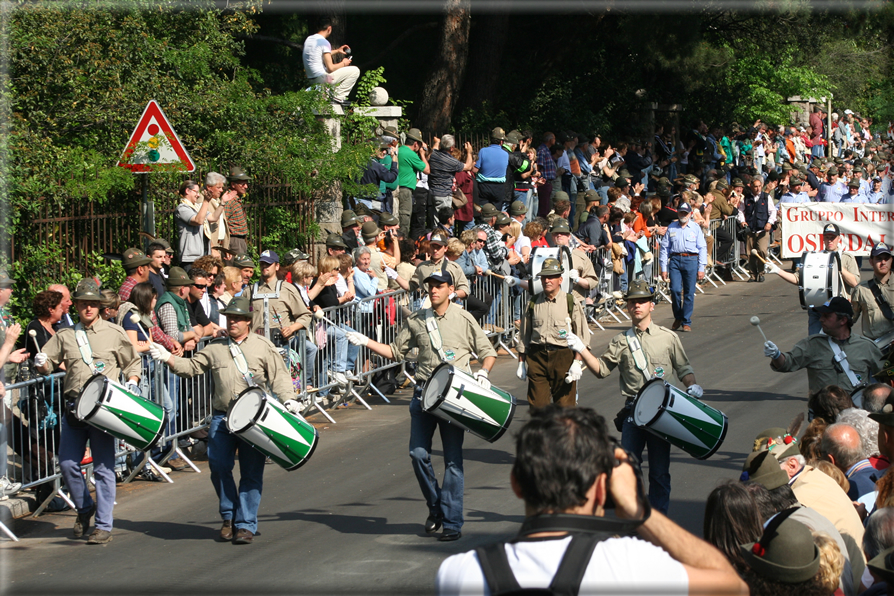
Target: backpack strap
[(574, 563), (881, 300), (497, 572)]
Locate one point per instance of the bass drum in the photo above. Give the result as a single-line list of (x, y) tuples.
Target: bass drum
[(540, 254), (820, 279)]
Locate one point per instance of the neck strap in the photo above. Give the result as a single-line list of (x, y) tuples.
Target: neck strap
[(241, 363)]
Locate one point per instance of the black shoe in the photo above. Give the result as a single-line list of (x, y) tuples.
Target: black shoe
[(450, 536), (432, 524), (82, 523), (760, 277)]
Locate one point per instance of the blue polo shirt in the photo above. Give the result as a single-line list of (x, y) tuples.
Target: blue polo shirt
[(492, 164)]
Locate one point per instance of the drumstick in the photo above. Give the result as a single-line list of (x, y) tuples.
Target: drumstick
[(321, 317), (757, 323), (135, 319), (33, 334), (757, 254), (568, 379), (489, 272)]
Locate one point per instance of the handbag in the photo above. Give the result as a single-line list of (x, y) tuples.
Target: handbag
[(320, 335), (459, 199)]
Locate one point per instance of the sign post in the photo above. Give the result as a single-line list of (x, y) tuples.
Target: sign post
[(153, 147)]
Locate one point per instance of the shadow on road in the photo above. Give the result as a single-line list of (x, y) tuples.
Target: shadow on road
[(355, 524)]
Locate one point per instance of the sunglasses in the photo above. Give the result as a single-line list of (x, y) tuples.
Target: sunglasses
[(201, 286)]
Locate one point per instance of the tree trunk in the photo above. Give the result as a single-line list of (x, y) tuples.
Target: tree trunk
[(335, 9), (446, 76), (488, 42)]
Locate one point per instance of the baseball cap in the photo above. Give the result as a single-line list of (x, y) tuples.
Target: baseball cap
[(685, 208), (831, 228), (268, 256), (439, 237), (440, 275), (880, 249), (837, 305)]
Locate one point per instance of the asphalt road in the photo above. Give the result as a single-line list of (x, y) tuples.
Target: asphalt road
[(350, 521)]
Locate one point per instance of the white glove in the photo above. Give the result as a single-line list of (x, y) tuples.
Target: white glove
[(573, 275), (772, 268), (522, 371), (132, 387), (292, 406), (575, 372), (771, 351), (40, 359), (159, 352), (390, 273), (357, 339), (695, 391), (481, 377), (511, 281), (576, 343)]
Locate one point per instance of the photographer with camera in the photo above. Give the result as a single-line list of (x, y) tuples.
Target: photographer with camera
[(644, 352), (570, 475), (278, 311)]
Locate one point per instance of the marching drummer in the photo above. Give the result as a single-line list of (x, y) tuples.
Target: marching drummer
[(644, 352), (850, 272), (874, 298), (443, 333), (242, 360), (551, 369), (91, 347), (836, 358)]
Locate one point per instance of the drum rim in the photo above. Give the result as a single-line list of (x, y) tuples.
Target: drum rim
[(505, 427), (313, 448), (97, 405), (161, 433), (661, 408), (724, 428), (255, 418), (443, 395)]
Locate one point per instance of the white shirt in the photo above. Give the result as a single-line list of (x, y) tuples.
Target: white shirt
[(627, 565), (314, 47)]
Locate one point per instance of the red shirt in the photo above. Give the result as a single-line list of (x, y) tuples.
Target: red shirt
[(464, 183)]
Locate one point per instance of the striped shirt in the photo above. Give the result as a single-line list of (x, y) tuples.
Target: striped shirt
[(236, 220), (545, 162)]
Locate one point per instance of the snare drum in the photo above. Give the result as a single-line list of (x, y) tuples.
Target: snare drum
[(820, 280), (455, 396), (111, 408), (680, 419), (540, 254), (265, 424)]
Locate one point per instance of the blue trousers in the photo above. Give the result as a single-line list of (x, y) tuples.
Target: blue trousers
[(634, 439), (446, 501), (241, 506), (683, 273), (71, 452)]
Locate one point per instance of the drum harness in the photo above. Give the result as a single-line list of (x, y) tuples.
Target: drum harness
[(642, 365), (880, 299), (841, 358), (266, 298), (241, 363), (71, 405)]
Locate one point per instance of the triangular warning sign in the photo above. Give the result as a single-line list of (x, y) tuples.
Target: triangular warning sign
[(154, 146)]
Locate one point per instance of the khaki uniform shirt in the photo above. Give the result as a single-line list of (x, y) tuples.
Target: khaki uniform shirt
[(460, 337), (664, 355), (849, 264), (264, 362), (426, 268), (546, 325), (377, 262), (581, 262), (875, 324), (815, 354), (113, 354), (720, 206), (285, 310)]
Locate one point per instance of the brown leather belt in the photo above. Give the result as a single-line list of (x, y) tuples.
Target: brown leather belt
[(685, 254)]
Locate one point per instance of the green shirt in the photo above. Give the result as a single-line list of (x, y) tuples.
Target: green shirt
[(664, 354), (815, 354), (409, 164)]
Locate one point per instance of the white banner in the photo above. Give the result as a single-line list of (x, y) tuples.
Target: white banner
[(862, 226)]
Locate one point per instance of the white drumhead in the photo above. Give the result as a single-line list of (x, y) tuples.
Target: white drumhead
[(91, 394), (245, 409), (436, 387), (649, 402)]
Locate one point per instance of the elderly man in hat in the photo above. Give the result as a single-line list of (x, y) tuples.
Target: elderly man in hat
[(490, 171), (833, 189), (874, 298), (757, 214), (495, 249), (381, 264), (335, 245), (683, 258), (238, 362), (850, 273), (551, 368), (137, 267), (92, 347), (277, 308), (234, 211), (836, 357), (443, 333), (191, 216), (644, 352), (246, 266), (853, 193), (412, 160)]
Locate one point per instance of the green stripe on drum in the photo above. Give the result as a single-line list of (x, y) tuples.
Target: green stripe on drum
[(288, 445), (497, 409), (143, 427), (704, 431), (479, 427)]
